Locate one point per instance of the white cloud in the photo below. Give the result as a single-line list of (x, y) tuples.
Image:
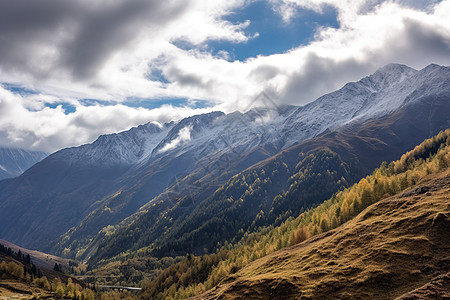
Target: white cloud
[(50, 129), (183, 136), (103, 49), (371, 34), (109, 50)]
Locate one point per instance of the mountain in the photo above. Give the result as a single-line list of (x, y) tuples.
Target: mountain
[(69, 200), (389, 249), (69, 184), (14, 162), (277, 188), (349, 153), (369, 230)]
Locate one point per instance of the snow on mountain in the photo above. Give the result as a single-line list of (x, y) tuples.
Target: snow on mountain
[(14, 162), (111, 178), (124, 148), (186, 130), (373, 96), (396, 84)]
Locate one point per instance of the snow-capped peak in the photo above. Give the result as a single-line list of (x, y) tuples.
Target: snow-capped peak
[(376, 95)]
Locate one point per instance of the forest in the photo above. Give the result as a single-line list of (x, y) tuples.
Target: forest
[(18, 266), (248, 201), (194, 275)]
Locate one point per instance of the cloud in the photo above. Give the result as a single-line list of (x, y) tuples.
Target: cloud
[(371, 34), (183, 136), (50, 129), (97, 48), (114, 50)]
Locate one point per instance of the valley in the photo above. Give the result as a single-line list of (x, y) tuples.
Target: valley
[(225, 150)]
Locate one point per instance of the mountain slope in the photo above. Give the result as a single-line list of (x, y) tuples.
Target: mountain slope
[(279, 187), (14, 162), (25, 275), (51, 196), (193, 275), (77, 192), (437, 288), (391, 248), (40, 259)]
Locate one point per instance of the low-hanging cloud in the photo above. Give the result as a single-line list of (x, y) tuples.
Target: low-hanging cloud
[(183, 136)]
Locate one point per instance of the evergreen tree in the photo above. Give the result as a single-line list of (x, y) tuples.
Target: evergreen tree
[(56, 268), (28, 259)]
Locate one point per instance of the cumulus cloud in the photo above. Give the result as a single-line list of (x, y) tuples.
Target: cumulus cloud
[(114, 50), (97, 48)]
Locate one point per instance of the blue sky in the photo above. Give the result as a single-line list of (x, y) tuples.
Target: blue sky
[(269, 33), (273, 34)]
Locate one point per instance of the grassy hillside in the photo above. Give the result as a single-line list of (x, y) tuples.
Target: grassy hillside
[(391, 248), (194, 275)]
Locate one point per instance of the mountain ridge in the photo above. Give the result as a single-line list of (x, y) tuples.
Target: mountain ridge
[(100, 178), (364, 146)]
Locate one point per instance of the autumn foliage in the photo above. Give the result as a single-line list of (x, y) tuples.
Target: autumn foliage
[(432, 156)]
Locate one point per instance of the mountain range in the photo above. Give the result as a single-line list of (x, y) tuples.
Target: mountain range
[(187, 186)]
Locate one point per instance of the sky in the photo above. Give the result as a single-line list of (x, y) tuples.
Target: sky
[(73, 70)]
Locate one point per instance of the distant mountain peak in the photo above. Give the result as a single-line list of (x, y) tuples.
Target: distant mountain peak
[(433, 67), (14, 161), (390, 74), (394, 67)]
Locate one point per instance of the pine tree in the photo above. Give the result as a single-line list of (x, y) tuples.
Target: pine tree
[(56, 268)]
